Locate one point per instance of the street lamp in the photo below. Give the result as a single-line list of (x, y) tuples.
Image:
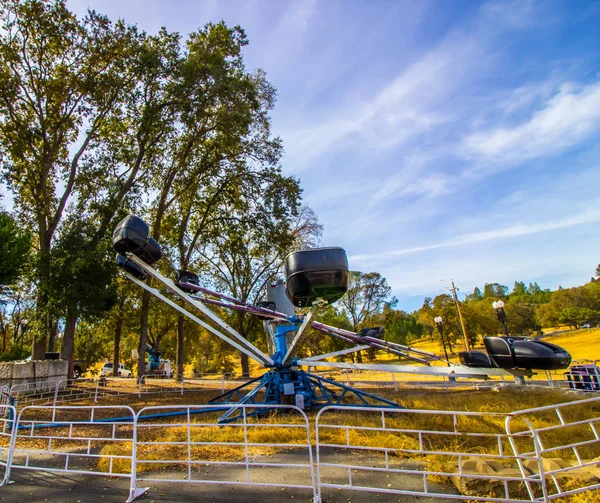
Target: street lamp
[(498, 305), (440, 327), (24, 327)]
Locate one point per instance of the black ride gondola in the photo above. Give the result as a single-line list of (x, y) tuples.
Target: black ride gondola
[(517, 353), (133, 235), (318, 273)]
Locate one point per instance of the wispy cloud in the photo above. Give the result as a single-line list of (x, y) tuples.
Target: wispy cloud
[(568, 118), (527, 95), (589, 216), (404, 109)]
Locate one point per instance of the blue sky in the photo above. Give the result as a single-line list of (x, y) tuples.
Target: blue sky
[(435, 139)]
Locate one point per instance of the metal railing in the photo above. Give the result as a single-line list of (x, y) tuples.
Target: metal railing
[(387, 451), (8, 413), (567, 467), (192, 432), (84, 440), (538, 454)]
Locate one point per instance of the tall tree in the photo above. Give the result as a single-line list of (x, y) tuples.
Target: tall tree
[(247, 249), (81, 281), (519, 288), (367, 295), (494, 290), (60, 79), (220, 126)]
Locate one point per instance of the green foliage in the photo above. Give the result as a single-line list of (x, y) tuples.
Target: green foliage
[(82, 278), (367, 295), (494, 291), (577, 316), (519, 288), (15, 245), (16, 353), (400, 326), (476, 295)]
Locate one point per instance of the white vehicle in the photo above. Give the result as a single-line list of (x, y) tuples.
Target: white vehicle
[(107, 370)]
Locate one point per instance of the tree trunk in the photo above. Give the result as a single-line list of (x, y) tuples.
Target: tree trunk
[(52, 338), (143, 332), (245, 365), (118, 330), (69, 339), (44, 322), (180, 351), (244, 357)]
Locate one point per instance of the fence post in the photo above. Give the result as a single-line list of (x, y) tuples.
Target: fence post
[(395, 383), (11, 445), (347, 378), (134, 491), (182, 379), (56, 391), (222, 383)]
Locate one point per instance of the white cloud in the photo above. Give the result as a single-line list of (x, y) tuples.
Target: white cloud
[(588, 216), (568, 118), (404, 109), (527, 95)]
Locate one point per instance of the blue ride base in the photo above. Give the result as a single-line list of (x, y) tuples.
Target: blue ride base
[(289, 385), (285, 386)]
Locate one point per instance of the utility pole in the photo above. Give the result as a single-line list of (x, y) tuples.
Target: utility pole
[(462, 322)]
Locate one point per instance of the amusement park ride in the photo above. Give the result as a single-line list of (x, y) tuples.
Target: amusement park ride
[(313, 278)]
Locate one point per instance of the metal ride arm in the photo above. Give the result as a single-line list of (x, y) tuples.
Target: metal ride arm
[(345, 335), (197, 320), (456, 371), (299, 336), (336, 353), (397, 349), (231, 303), (250, 348)]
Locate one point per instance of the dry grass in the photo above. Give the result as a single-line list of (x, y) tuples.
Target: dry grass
[(223, 438), (583, 344)]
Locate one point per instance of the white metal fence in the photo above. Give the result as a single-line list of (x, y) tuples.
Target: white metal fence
[(567, 467), (177, 444), (537, 454), (86, 440), (421, 453)]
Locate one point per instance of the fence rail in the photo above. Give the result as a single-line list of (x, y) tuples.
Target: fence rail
[(538, 454), (446, 447), (191, 432)]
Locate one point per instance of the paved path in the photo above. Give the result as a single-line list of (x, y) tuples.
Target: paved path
[(30, 486)]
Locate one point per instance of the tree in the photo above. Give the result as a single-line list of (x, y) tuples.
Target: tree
[(400, 326), (15, 245), (219, 129), (60, 80), (494, 290), (367, 295), (247, 249), (81, 281), (519, 288), (476, 295), (577, 316)]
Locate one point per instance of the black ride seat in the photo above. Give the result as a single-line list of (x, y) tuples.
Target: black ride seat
[(319, 273)]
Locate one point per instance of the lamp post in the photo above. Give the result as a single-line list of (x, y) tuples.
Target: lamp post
[(440, 327), (498, 305), (24, 327)]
